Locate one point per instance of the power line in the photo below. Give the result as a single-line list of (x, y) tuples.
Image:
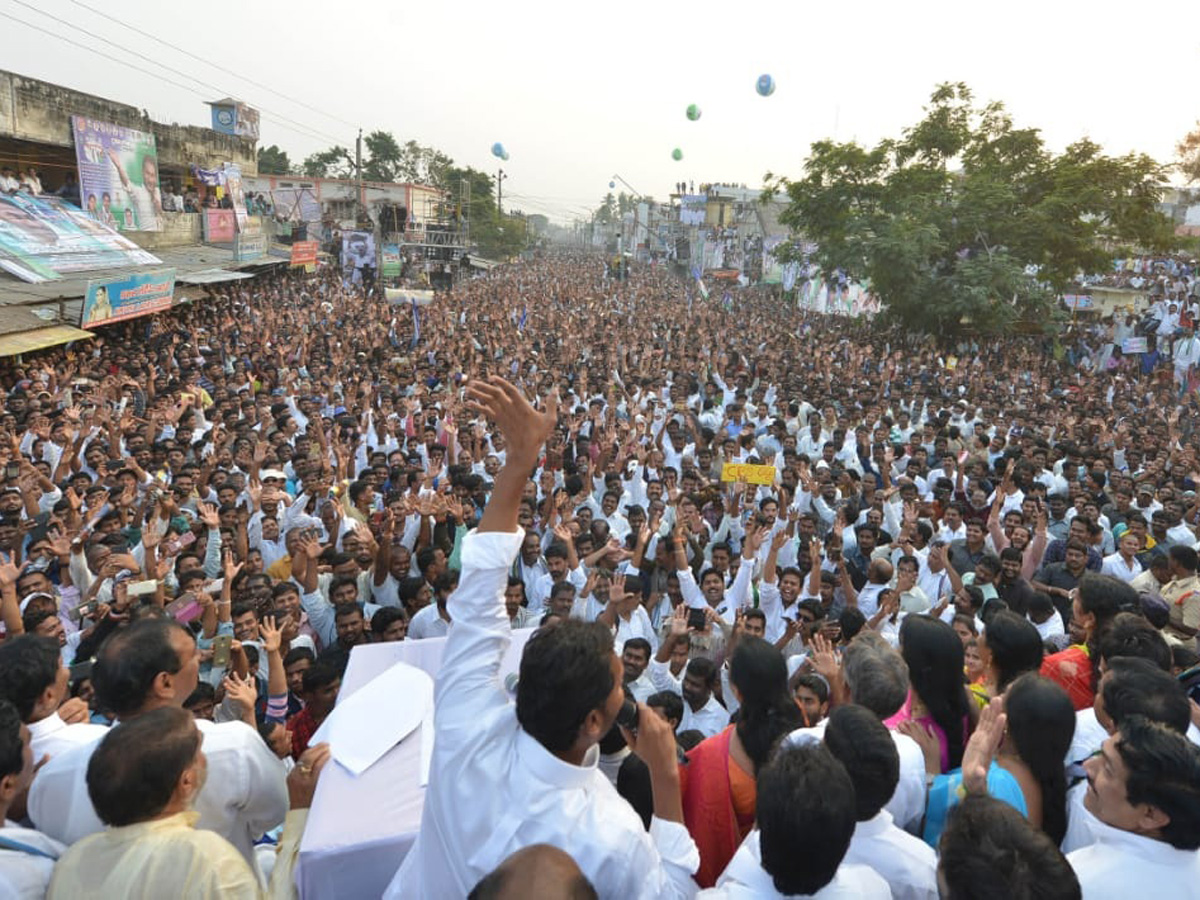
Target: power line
[(214, 65), (279, 119)]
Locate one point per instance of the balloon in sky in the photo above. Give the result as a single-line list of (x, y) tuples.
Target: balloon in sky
[(498, 150), (693, 112), (677, 154), (504, 156), (765, 85), (611, 185)]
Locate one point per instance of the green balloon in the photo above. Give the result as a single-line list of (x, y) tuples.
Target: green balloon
[(676, 154), (693, 112)]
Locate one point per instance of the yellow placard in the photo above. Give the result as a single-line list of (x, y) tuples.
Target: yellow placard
[(748, 473)]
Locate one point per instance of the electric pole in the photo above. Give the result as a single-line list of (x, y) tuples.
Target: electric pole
[(359, 207), (500, 176)]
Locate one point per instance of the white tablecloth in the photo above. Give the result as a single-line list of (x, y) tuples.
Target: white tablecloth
[(360, 829)]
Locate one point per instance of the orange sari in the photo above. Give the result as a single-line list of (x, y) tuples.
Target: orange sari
[(718, 804)]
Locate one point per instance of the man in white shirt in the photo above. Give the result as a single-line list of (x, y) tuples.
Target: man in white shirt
[(805, 800), (702, 710), (27, 856), (856, 737), (504, 776), (150, 664), (1144, 790), (876, 677), (33, 677), (559, 568)]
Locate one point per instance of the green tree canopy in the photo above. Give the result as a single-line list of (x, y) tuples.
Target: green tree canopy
[(336, 162), (1189, 155), (946, 220), (273, 161)]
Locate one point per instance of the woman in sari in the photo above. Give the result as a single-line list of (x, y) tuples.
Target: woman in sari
[(1010, 647), (718, 780)]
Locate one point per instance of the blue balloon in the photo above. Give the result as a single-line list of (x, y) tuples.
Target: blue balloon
[(498, 149), (765, 85), (611, 185)]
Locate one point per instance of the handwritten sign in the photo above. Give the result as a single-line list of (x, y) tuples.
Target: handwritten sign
[(748, 473)]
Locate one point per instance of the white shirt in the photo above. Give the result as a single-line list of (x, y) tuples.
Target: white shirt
[(545, 584), (1116, 566), (908, 802), (1122, 864), (770, 601), (25, 876), (710, 719), (244, 796), (745, 877), (426, 623), (52, 736), (906, 863), (494, 789)]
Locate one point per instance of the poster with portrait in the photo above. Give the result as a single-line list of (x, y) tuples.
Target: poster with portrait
[(126, 297), (358, 249), (118, 175), (42, 238), (237, 194)]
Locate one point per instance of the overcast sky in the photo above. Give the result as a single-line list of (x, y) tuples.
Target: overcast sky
[(578, 92)]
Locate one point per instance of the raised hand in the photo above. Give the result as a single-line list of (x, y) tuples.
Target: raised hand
[(270, 635), (525, 429), (981, 748)]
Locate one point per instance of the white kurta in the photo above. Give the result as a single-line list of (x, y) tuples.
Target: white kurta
[(244, 796), (906, 863), (1121, 864), (745, 879), (494, 789)]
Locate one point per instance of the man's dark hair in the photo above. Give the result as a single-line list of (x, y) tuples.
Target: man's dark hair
[(1136, 686), (1185, 557), (703, 668), (137, 765), (385, 617), (29, 664), (861, 742), (298, 653), (566, 672), (805, 799), (1130, 635), (639, 643), (669, 702), (989, 851), (1163, 769), (343, 610), (12, 748), (130, 660), (322, 673)]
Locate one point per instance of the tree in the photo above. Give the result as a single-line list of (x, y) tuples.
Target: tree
[(336, 162), (607, 211), (273, 161), (946, 221), (382, 157), (1189, 154)]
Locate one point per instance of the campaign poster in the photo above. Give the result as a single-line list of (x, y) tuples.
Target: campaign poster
[(390, 267), (249, 246), (358, 249), (237, 194), (41, 238), (118, 175), (127, 296), (304, 253), (220, 225)]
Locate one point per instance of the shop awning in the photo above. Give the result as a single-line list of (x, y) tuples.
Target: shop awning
[(212, 276), (40, 339)]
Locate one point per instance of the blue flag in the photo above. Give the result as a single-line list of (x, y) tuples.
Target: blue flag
[(524, 315), (416, 322)]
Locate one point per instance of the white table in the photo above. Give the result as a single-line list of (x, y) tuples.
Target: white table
[(360, 829)]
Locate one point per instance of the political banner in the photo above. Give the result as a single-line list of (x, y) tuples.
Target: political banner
[(390, 267), (249, 246), (297, 204), (1079, 301), (748, 473), (692, 209), (118, 175), (42, 238), (304, 253), (127, 296), (237, 194), (219, 225), (1135, 345), (408, 296), (358, 249)]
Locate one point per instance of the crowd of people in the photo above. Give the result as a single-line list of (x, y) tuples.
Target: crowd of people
[(820, 608)]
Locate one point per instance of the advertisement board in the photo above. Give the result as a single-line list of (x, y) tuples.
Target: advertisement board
[(118, 175), (127, 296)]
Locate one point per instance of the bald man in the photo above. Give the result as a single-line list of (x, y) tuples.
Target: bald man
[(538, 870)]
